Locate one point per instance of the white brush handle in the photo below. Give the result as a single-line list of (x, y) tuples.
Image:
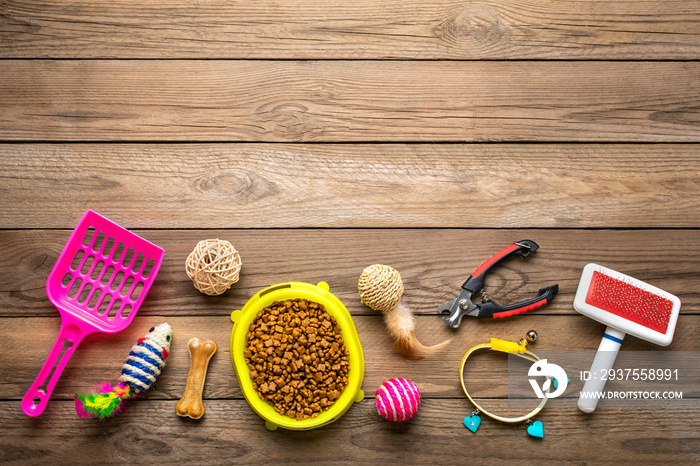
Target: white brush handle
[(603, 362)]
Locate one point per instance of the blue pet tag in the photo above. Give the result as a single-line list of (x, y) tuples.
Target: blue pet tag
[(472, 422), (555, 383), (536, 429)]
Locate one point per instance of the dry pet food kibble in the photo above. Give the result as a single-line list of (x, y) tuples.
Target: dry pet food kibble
[(297, 358)]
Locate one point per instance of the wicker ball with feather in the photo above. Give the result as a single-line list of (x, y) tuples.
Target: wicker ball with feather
[(381, 288)]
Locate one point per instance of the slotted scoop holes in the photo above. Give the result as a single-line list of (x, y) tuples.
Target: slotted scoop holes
[(106, 276)]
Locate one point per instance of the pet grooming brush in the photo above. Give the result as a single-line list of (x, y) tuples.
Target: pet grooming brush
[(625, 305)]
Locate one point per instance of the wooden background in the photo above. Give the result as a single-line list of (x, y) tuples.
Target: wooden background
[(319, 138)]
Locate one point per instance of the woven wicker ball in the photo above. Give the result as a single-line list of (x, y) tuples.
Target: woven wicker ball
[(380, 287), (213, 266)]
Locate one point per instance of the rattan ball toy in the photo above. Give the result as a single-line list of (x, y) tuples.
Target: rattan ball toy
[(213, 266), (381, 288)]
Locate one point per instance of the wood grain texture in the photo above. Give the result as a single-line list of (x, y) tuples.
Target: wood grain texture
[(570, 165), (336, 101), (306, 29), (433, 264), (353, 185), (99, 357), (231, 433)]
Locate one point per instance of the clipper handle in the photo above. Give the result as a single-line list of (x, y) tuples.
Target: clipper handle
[(477, 280), (491, 309)]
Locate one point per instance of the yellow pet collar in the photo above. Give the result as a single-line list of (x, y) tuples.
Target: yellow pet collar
[(518, 349)]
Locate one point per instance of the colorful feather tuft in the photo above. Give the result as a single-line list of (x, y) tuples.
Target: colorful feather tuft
[(103, 402)]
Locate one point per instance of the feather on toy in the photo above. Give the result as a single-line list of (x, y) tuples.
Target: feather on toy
[(381, 288), (139, 372)]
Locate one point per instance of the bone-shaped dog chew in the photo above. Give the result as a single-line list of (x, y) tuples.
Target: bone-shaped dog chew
[(190, 405)]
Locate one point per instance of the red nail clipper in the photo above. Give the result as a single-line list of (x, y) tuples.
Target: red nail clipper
[(463, 305)]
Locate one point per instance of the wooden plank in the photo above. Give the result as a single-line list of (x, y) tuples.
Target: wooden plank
[(331, 185), (305, 29), (433, 262), (231, 433), (27, 342), (337, 101)]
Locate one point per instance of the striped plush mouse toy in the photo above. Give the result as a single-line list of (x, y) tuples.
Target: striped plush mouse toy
[(139, 372)]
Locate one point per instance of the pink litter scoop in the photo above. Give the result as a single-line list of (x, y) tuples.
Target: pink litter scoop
[(97, 284)]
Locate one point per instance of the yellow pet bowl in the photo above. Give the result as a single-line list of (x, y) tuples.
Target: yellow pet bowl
[(242, 319)]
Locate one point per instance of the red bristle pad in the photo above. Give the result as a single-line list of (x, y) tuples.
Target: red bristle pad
[(629, 302)]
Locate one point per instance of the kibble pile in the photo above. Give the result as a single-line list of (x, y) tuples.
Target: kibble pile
[(297, 358)]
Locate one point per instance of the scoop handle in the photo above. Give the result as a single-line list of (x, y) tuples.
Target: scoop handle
[(603, 362), (36, 398)]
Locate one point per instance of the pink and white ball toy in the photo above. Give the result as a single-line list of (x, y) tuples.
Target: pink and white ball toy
[(397, 400)]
